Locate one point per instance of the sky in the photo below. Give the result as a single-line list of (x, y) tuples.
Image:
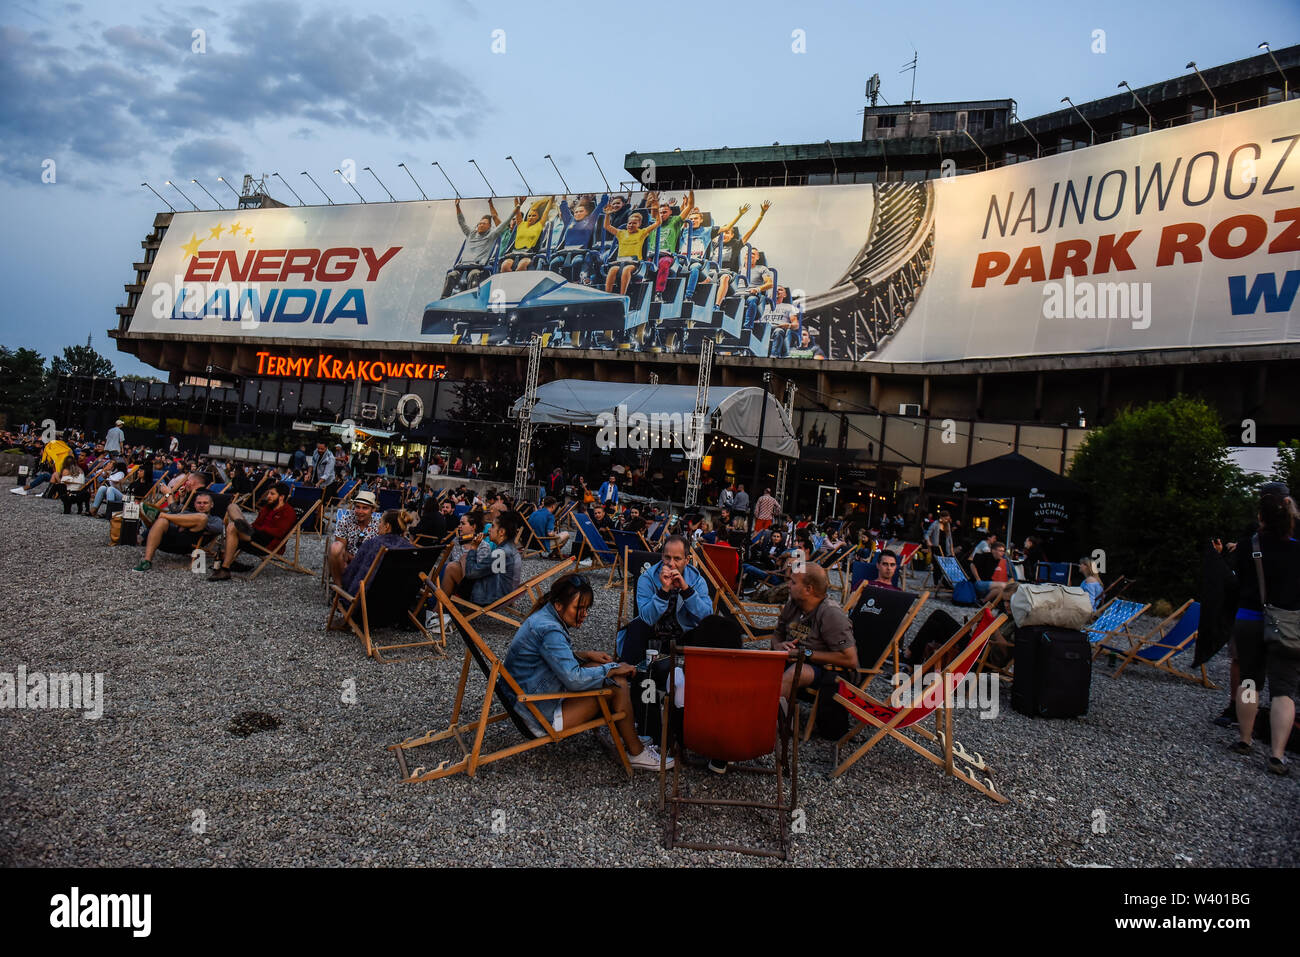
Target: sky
[(99, 97)]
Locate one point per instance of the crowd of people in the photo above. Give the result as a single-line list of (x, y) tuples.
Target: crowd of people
[(191, 502)]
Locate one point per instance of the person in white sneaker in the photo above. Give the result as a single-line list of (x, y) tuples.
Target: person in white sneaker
[(542, 659)]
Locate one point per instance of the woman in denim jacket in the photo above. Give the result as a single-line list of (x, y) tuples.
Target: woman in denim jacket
[(542, 659)]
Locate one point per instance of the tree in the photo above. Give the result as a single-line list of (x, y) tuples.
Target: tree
[(1288, 465), (23, 389), (81, 361), (1161, 485)]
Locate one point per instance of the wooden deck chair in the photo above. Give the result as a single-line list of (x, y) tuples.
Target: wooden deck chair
[(881, 618), (566, 511), (248, 498), (1159, 646), (716, 563), (997, 642), (593, 544), (279, 554), (389, 498), (906, 552), (532, 545), (390, 594), (503, 609), (654, 533), (505, 691), (733, 713), (1116, 589), (1112, 621), (632, 563), (623, 541), (891, 720), (302, 497)]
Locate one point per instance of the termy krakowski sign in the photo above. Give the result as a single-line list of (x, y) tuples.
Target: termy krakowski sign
[(1183, 237)]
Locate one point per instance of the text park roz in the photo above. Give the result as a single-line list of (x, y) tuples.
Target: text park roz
[(1233, 238), (278, 265)]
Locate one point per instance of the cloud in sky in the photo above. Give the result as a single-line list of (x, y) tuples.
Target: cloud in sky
[(138, 90)]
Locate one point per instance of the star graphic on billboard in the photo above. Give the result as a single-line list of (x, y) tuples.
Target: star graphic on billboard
[(216, 231), (192, 246), (234, 230)]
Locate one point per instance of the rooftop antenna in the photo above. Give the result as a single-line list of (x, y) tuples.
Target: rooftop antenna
[(873, 88), (911, 65)]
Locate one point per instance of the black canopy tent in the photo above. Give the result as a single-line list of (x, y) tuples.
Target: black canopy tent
[(1051, 497)]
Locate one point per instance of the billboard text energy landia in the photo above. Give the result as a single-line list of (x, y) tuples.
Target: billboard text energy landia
[(1187, 237)]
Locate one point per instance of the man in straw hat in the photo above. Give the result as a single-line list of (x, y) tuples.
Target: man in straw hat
[(352, 529)]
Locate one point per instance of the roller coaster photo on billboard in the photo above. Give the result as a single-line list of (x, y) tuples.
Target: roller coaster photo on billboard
[(1186, 237)]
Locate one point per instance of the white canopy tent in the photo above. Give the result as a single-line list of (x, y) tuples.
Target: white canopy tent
[(733, 411)]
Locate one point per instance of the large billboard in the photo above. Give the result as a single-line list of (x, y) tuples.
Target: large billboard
[(1178, 238)]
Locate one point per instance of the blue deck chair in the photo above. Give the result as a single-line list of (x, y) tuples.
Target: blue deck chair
[(389, 498), (602, 553), (963, 589), (1164, 642), (1055, 572), (1112, 621), (623, 542)]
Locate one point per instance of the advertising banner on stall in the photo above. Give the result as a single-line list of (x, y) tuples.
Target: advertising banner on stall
[(1188, 237)]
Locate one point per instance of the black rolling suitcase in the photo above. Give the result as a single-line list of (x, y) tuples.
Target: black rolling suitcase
[(1053, 672)]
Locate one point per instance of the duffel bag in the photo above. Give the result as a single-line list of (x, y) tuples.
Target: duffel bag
[(1046, 605)]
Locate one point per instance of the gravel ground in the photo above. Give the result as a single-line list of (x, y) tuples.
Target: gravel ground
[(183, 657)]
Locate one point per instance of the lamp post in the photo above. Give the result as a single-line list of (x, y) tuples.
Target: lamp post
[(1151, 120), (1265, 47), (413, 179), (183, 196), (391, 197), (557, 171), (758, 451), (491, 191), (318, 186), (978, 147), (205, 189), (289, 188), (448, 179), (1213, 99), (222, 179), (521, 174), (1037, 145), (159, 195), (598, 169), (352, 184), (1092, 134)]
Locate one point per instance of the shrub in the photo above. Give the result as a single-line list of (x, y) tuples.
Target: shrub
[(1161, 485)]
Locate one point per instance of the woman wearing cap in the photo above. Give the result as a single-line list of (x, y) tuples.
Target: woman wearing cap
[(541, 658), (352, 529)]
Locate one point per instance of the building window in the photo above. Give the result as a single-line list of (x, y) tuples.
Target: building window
[(942, 121), (818, 179), (887, 121)]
